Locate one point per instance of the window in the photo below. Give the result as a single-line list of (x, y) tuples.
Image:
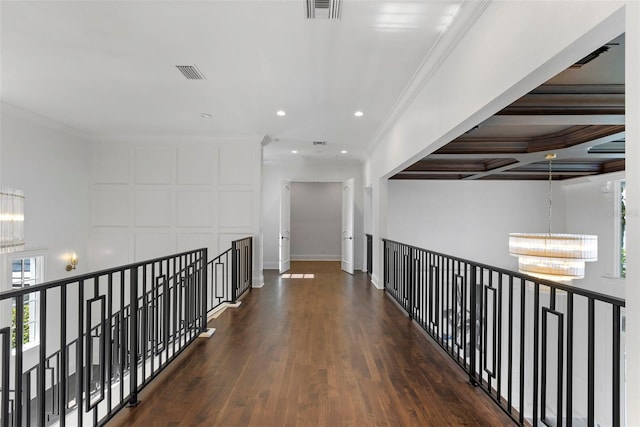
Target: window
[(26, 272), (620, 227)]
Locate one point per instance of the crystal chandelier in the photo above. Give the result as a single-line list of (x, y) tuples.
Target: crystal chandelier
[(557, 257), (11, 220)]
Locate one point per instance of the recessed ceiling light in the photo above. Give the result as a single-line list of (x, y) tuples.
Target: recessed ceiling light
[(206, 115), (281, 113), (294, 151), (358, 113), (344, 152)]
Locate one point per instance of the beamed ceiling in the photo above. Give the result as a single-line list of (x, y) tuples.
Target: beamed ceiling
[(578, 115)]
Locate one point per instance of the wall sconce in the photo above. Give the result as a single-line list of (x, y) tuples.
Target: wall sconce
[(72, 262)]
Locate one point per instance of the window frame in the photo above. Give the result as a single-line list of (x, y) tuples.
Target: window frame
[(619, 229), (38, 258)]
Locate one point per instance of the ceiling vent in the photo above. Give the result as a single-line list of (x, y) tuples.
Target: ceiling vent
[(323, 9), (191, 72), (319, 142)]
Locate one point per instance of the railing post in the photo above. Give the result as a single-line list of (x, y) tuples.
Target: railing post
[(234, 271), (410, 282), (5, 333), (18, 393), (473, 326), (133, 351), (615, 375), (204, 283), (250, 263), (42, 356), (385, 266)]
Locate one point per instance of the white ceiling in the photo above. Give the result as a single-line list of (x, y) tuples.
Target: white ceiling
[(108, 67)]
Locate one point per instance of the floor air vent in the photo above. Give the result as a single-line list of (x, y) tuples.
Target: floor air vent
[(323, 9), (191, 72)]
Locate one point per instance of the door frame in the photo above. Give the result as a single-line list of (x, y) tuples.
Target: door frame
[(329, 181)]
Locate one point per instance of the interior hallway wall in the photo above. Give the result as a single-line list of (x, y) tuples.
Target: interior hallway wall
[(158, 196), (316, 221), (301, 170)]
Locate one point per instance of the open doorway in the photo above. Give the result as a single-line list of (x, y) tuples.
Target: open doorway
[(316, 223)]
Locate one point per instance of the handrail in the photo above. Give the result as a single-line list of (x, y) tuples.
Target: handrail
[(560, 286), (229, 275), (532, 345), (116, 330), (11, 293)]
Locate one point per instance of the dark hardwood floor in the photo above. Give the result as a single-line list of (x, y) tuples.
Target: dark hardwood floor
[(327, 351)]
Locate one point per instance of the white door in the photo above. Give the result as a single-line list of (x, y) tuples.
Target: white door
[(347, 225), (284, 254)]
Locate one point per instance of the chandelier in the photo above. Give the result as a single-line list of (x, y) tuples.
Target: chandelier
[(11, 220), (557, 257)]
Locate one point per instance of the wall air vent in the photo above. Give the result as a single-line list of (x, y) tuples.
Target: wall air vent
[(323, 9), (319, 142), (593, 55), (191, 72)]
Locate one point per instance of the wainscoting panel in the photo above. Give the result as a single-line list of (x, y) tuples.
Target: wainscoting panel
[(196, 167), (111, 166), (111, 206), (154, 165), (236, 208), (153, 208), (235, 166), (150, 245), (194, 208)]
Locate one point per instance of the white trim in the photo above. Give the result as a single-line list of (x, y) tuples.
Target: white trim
[(440, 50), (376, 282), (270, 265), (315, 257)]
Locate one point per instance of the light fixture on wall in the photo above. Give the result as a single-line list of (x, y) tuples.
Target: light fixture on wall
[(72, 261), (11, 220), (557, 257)]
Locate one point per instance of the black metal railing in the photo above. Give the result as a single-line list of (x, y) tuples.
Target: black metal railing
[(230, 273), (104, 336), (547, 353), (369, 254)]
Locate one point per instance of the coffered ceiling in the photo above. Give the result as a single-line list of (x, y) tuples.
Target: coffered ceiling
[(578, 115)]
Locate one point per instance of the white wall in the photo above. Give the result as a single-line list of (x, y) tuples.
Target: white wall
[(50, 162), (469, 219), (632, 129), (302, 170), (592, 208), (316, 221), (157, 196)]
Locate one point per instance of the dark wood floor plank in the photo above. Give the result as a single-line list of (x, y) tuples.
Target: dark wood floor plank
[(327, 351)]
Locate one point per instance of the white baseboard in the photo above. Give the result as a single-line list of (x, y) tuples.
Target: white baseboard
[(270, 265), (376, 282), (320, 257)]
